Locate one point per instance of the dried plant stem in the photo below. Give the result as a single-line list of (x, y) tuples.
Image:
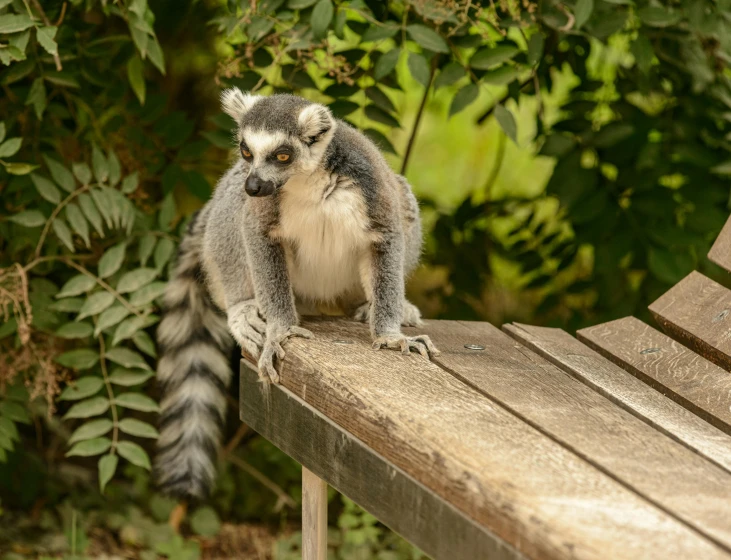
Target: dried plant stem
[(283, 497)]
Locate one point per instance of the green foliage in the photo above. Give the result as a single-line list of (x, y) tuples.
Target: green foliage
[(105, 149)]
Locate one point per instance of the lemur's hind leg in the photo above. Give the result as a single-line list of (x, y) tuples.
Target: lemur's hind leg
[(411, 314)]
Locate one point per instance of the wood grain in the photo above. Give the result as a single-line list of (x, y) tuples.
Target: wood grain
[(668, 366), (623, 341), (314, 516), (519, 484), (364, 476), (697, 312), (616, 442), (720, 253)]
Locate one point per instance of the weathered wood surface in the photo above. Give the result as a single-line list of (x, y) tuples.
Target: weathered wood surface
[(512, 478), (720, 253), (314, 516), (357, 471), (697, 312), (626, 345), (625, 448), (666, 365)]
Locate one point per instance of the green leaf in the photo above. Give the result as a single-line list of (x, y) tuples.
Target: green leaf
[(110, 317), (75, 330), (484, 59), (82, 172), (8, 428), (127, 358), (128, 377), (60, 174), (643, 53), (134, 454), (582, 12), (63, 79), (90, 430), (155, 54), (501, 76), (205, 522), (386, 63), (10, 147), (322, 15), (135, 279), (19, 168), (77, 221), (63, 232), (136, 401), (535, 48), (90, 407), (669, 266), (11, 23), (136, 77), (130, 183), (45, 36), (463, 98), (167, 212), (300, 4), (451, 73), (28, 218), (107, 468), (82, 358), (427, 38), (115, 168), (127, 328), (377, 95), (138, 428), (506, 121), (379, 140), (379, 115), (658, 16), (37, 97), (144, 343), (99, 164), (2, 131), (14, 411), (112, 260), (419, 68), (82, 388), (69, 305), (90, 447), (95, 304), (79, 284), (380, 32)]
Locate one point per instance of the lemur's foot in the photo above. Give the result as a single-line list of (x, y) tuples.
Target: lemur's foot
[(420, 343), (411, 316), (273, 349), (247, 327)]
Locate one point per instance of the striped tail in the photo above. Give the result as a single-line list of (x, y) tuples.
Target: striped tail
[(194, 374)]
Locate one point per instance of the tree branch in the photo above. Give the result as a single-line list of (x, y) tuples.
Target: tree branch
[(419, 114)]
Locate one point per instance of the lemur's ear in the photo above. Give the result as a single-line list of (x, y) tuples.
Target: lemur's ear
[(315, 121), (236, 103)]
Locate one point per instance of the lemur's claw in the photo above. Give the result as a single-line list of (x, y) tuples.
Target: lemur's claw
[(273, 349), (420, 343), (411, 314), (247, 327)]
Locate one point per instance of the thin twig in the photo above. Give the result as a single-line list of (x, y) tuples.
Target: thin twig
[(63, 13), (419, 114), (283, 497), (234, 442), (104, 285), (571, 19), (55, 213), (44, 17)]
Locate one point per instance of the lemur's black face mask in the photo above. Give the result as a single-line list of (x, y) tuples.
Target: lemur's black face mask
[(256, 186)]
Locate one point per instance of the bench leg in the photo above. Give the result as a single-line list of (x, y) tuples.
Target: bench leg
[(314, 517)]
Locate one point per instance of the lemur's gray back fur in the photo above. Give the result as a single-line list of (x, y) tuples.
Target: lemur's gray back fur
[(237, 265)]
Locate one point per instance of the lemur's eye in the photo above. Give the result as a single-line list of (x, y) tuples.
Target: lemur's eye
[(283, 157), (245, 152)]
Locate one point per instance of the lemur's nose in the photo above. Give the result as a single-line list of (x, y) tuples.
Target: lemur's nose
[(255, 186)]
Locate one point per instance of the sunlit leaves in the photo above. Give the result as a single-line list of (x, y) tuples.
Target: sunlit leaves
[(427, 38), (506, 121), (135, 427), (463, 98), (134, 454), (90, 447), (484, 59), (82, 388), (82, 358), (136, 78), (136, 401), (112, 260), (89, 407)]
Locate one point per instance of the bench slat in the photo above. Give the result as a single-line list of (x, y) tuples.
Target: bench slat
[(658, 468), (355, 470), (697, 312), (519, 484), (720, 253), (668, 366), (621, 341)]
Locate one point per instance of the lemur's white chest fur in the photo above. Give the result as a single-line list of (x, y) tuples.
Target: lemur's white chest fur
[(323, 226)]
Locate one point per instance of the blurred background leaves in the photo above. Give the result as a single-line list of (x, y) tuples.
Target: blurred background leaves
[(572, 159)]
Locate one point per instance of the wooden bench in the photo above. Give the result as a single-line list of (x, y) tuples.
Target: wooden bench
[(521, 443)]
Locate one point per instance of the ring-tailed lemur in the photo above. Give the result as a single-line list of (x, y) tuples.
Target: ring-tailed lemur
[(310, 213)]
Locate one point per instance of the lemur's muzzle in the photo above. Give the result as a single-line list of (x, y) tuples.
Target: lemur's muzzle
[(256, 186)]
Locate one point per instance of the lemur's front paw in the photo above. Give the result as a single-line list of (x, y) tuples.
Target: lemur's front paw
[(273, 351), (247, 327), (411, 315), (420, 343)]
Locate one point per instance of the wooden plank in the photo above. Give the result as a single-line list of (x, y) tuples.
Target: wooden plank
[(355, 470), (720, 253), (668, 366), (697, 312), (513, 480), (666, 473), (623, 388), (314, 516)]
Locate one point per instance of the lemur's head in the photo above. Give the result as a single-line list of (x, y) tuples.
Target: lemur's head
[(281, 136)]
